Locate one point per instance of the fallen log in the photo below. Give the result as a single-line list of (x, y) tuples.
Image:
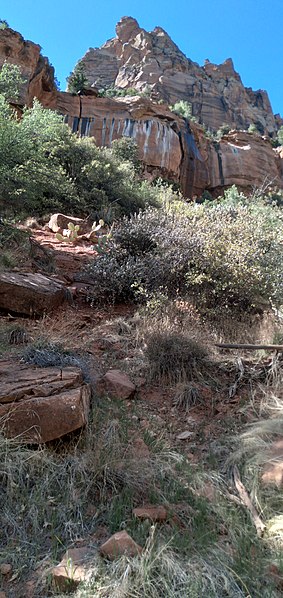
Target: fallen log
[(246, 501), (248, 347)]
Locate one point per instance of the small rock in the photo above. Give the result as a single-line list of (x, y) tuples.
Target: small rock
[(116, 384), (119, 544), (152, 512), (5, 568), (72, 569), (184, 435)]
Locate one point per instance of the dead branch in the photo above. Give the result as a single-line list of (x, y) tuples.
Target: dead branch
[(250, 347), (246, 501)]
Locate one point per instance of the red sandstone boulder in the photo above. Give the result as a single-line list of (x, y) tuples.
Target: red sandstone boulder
[(119, 544), (46, 418), (72, 569), (30, 294), (152, 512), (116, 384)]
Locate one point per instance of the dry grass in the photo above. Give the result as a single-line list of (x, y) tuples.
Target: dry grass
[(174, 357)]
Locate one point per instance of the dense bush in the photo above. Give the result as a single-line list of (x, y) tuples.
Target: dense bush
[(226, 253)]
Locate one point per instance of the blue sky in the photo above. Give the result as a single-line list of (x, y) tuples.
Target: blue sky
[(248, 31)]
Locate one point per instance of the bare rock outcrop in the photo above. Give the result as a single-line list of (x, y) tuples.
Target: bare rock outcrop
[(36, 69), (41, 404), (151, 60)]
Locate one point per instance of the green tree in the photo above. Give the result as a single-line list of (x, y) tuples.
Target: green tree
[(4, 24), (280, 136), (11, 81), (77, 80)]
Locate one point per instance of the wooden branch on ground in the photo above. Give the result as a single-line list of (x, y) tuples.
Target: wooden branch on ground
[(250, 347), (246, 501)]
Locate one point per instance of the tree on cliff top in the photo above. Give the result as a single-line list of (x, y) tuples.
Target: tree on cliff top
[(4, 24), (77, 80)]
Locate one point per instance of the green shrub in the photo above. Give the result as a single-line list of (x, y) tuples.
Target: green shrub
[(182, 108), (3, 24), (280, 136)]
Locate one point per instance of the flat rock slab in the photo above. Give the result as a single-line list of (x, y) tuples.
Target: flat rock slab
[(41, 419), (21, 381), (30, 294)]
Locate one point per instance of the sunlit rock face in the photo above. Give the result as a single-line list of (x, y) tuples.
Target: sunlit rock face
[(140, 59), (36, 69), (169, 146)]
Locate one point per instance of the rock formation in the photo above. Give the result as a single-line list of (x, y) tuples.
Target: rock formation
[(36, 69), (41, 404), (151, 60), (169, 146)]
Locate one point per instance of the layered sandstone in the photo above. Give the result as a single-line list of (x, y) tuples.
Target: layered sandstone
[(169, 146), (37, 72), (152, 61)]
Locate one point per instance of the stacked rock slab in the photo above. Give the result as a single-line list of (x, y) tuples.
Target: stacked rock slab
[(41, 404)]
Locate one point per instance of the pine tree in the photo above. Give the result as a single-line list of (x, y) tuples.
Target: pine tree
[(77, 80)]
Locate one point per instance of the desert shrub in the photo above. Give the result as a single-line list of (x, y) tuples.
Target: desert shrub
[(253, 129), (174, 357), (182, 108), (126, 150), (117, 92), (11, 79), (226, 253), (223, 130)]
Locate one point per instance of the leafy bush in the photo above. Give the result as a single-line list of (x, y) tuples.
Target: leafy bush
[(226, 253), (44, 167), (253, 129), (11, 81), (280, 136), (117, 92)]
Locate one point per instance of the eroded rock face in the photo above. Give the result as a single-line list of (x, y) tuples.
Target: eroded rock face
[(41, 404), (140, 59), (36, 69)]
